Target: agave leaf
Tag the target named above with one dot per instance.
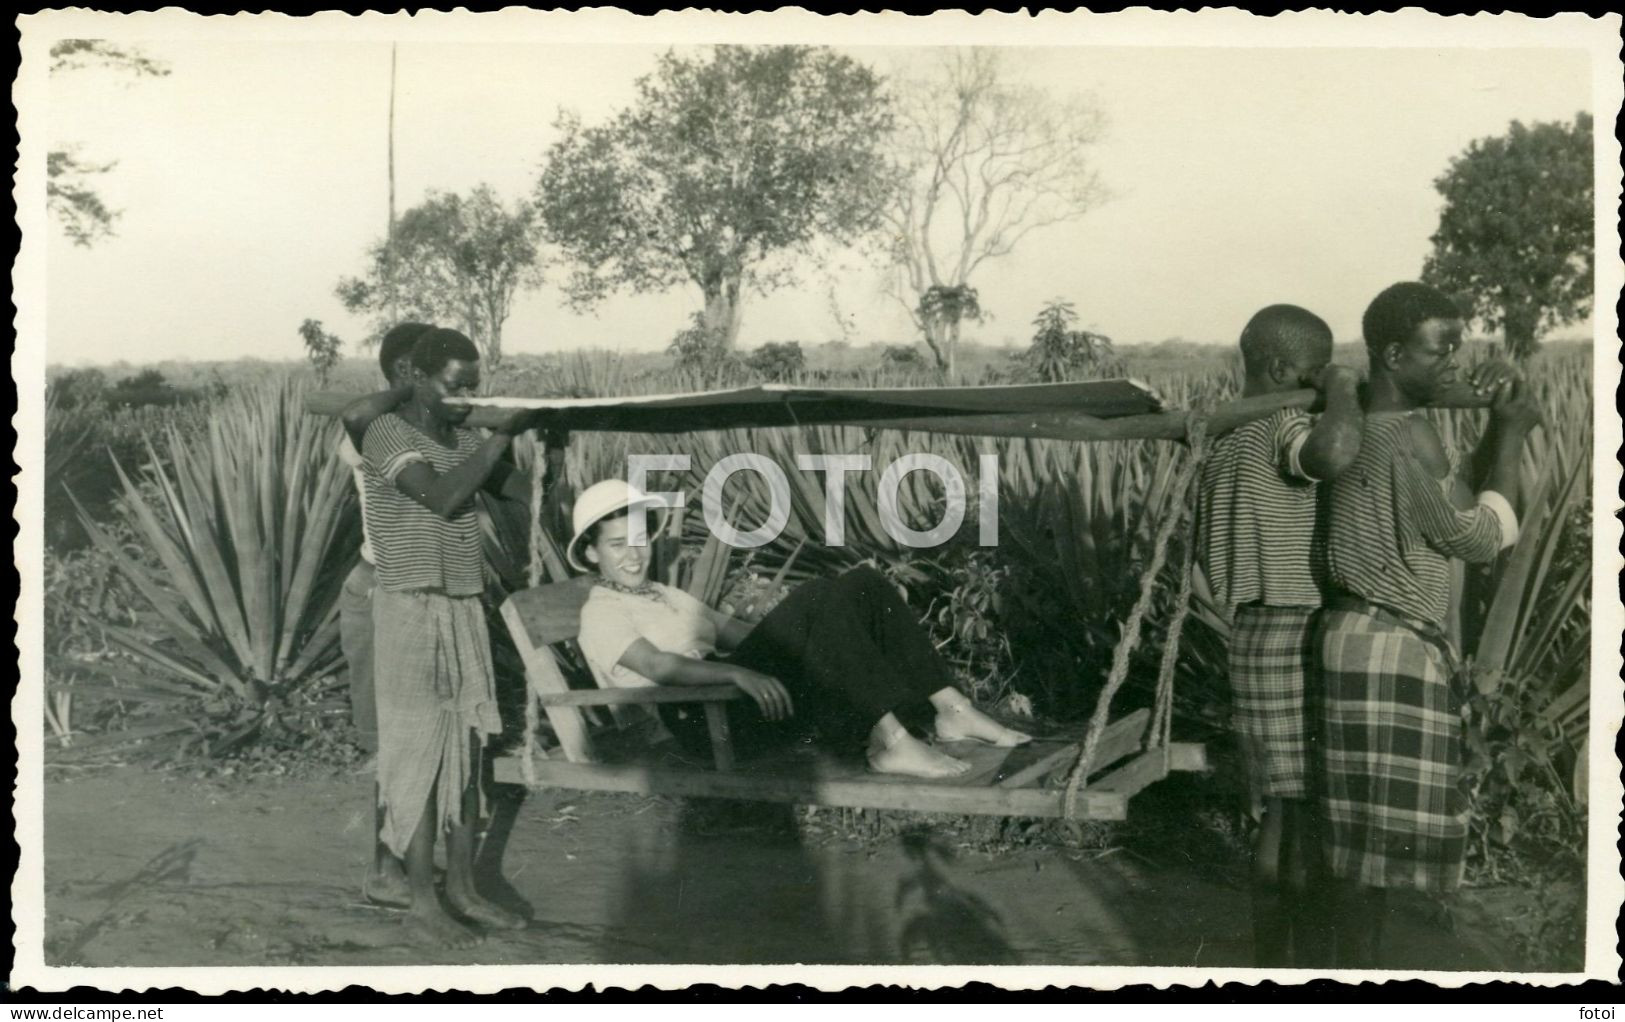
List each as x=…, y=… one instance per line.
x=159, y=539
x=206, y=549
x=147, y=729
x=182, y=630
x=314, y=539
x=1517, y=583
x=129, y=677
x=141, y=646
x=123, y=693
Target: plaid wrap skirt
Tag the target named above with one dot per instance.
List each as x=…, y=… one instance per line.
x=436, y=696
x=1272, y=655
x=1392, y=754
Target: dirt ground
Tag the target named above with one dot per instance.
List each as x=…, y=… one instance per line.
x=145, y=868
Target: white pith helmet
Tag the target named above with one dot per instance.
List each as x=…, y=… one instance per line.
x=599, y=501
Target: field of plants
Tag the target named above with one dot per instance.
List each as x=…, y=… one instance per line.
x=198, y=532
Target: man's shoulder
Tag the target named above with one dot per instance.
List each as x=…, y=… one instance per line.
x=388, y=426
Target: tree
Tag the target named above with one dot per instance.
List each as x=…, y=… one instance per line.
x=322, y=348
x=70, y=195
x=454, y=260
x=722, y=167
x=1515, y=239
x=981, y=163
x=1059, y=351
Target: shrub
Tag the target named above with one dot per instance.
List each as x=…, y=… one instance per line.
x=777, y=361
x=1060, y=352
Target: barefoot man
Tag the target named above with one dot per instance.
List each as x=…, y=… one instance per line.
x=436, y=691
x=385, y=883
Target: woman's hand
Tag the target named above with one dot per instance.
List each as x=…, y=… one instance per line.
x=770, y=694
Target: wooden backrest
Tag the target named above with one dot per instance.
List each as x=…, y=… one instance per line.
x=536, y=619
x=552, y=612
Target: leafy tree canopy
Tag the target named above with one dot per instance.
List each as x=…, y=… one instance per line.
x=1515, y=238
x=719, y=165
x=455, y=260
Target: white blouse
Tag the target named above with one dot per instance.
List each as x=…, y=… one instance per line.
x=611, y=621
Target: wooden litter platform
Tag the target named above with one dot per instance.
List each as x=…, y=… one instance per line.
x=1022, y=781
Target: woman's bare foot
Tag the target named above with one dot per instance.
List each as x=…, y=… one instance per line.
x=907, y=755
x=429, y=924
x=487, y=913
x=964, y=722
x=387, y=888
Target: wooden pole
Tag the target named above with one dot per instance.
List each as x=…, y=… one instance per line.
x=389, y=237
x=1049, y=425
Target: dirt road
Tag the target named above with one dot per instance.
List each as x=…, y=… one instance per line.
x=153, y=869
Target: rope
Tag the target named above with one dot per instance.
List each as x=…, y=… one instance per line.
x=1162, y=718
x=1162, y=715
x=538, y=468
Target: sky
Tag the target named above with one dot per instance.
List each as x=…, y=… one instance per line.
x=252, y=178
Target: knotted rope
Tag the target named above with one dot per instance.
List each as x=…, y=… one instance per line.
x=1183, y=491
x=537, y=575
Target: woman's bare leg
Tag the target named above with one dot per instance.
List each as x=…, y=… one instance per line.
x=892, y=750
x=958, y=719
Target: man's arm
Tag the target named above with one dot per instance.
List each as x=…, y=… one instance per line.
x=445, y=494
x=1334, y=441
x=359, y=414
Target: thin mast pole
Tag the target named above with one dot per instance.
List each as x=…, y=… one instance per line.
x=389, y=243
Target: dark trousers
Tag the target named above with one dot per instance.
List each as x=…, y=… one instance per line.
x=849, y=651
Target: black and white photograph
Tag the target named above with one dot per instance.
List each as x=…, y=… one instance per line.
x=529, y=498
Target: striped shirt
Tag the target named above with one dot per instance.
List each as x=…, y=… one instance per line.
x=416, y=548
x=1260, y=535
x=1393, y=527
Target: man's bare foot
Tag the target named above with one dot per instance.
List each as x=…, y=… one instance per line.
x=487, y=913
x=431, y=925
x=964, y=722
x=911, y=757
x=387, y=886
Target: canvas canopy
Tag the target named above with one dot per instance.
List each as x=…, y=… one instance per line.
x=783, y=405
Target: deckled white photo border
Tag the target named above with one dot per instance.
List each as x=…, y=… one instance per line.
x=1412, y=28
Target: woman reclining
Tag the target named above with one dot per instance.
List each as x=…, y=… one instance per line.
x=841, y=658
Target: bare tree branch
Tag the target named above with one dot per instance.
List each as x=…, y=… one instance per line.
x=987, y=162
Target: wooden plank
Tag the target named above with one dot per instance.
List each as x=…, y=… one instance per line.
x=543, y=676
x=1121, y=737
x=722, y=743
x=1132, y=777
x=643, y=696
x=1187, y=756
x=1041, y=767
x=917, y=796
x=551, y=613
